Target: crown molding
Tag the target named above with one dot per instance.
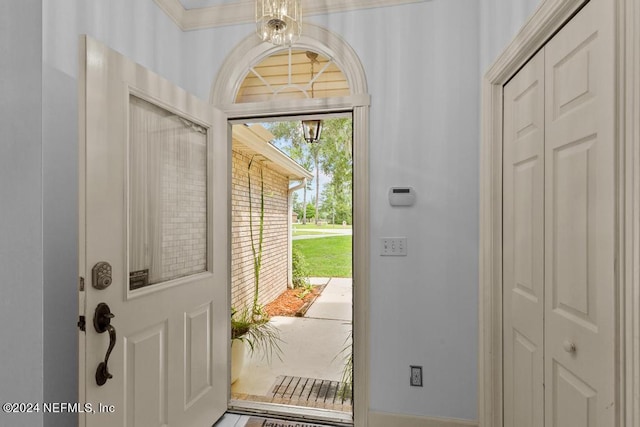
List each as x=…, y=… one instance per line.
x=173, y=9
x=242, y=11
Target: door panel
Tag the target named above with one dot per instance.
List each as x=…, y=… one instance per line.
x=524, y=382
x=145, y=359
x=156, y=165
x=197, y=352
x=574, y=401
x=574, y=295
x=579, y=221
x=523, y=291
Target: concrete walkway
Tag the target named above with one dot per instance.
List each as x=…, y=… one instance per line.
x=324, y=232
x=335, y=302
x=311, y=345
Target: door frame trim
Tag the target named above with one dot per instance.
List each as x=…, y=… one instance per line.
x=252, y=50
x=548, y=18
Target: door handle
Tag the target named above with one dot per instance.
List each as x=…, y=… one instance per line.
x=568, y=346
x=102, y=322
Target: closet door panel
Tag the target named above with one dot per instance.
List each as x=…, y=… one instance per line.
x=579, y=222
x=523, y=292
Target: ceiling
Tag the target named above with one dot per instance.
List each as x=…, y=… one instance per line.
x=195, y=4
x=199, y=14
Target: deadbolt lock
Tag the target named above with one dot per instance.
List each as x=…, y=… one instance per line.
x=101, y=275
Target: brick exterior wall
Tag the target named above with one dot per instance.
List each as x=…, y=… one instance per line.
x=275, y=265
x=184, y=204
x=168, y=203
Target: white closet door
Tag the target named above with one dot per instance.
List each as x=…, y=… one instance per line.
x=523, y=266
x=579, y=222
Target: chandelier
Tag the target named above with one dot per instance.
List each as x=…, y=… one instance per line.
x=279, y=21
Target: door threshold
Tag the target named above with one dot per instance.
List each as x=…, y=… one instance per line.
x=290, y=412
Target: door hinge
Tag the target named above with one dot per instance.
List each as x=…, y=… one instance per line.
x=81, y=284
x=82, y=323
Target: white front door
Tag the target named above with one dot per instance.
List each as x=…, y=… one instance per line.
x=153, y=248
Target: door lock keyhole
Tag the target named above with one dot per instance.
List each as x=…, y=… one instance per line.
x=101, y=275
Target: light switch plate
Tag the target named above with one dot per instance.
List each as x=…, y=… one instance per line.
x=393, y=246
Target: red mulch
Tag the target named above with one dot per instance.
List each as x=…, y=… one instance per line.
x=289, y=303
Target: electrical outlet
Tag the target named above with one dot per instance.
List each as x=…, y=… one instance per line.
x=393, y=246
x=416, y=376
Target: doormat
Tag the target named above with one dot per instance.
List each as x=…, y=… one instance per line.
x=271, y=422
x=320, y=393
x=305, y=392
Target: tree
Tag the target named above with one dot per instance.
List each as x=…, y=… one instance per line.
x=337, y=163
x=337, y=154
x=297, y=205
x=331, y=155
x=328, y=207
x=336, y=205
x=311, y=211
x=315, y=151
x=289, y=139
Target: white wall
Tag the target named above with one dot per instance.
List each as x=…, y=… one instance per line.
x=421, y=62
x=21, y=289
x=500, y=21
x=424, y=78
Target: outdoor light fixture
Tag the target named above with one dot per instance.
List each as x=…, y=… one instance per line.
x=311, y=130
x=279, y=21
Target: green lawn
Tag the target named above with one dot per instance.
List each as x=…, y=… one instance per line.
x=327, y=256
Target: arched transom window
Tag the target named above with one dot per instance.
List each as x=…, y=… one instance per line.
x=293, y=73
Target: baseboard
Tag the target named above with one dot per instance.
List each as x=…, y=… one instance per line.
x=384, y=419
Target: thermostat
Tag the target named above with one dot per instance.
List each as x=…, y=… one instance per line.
x=402, y=196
